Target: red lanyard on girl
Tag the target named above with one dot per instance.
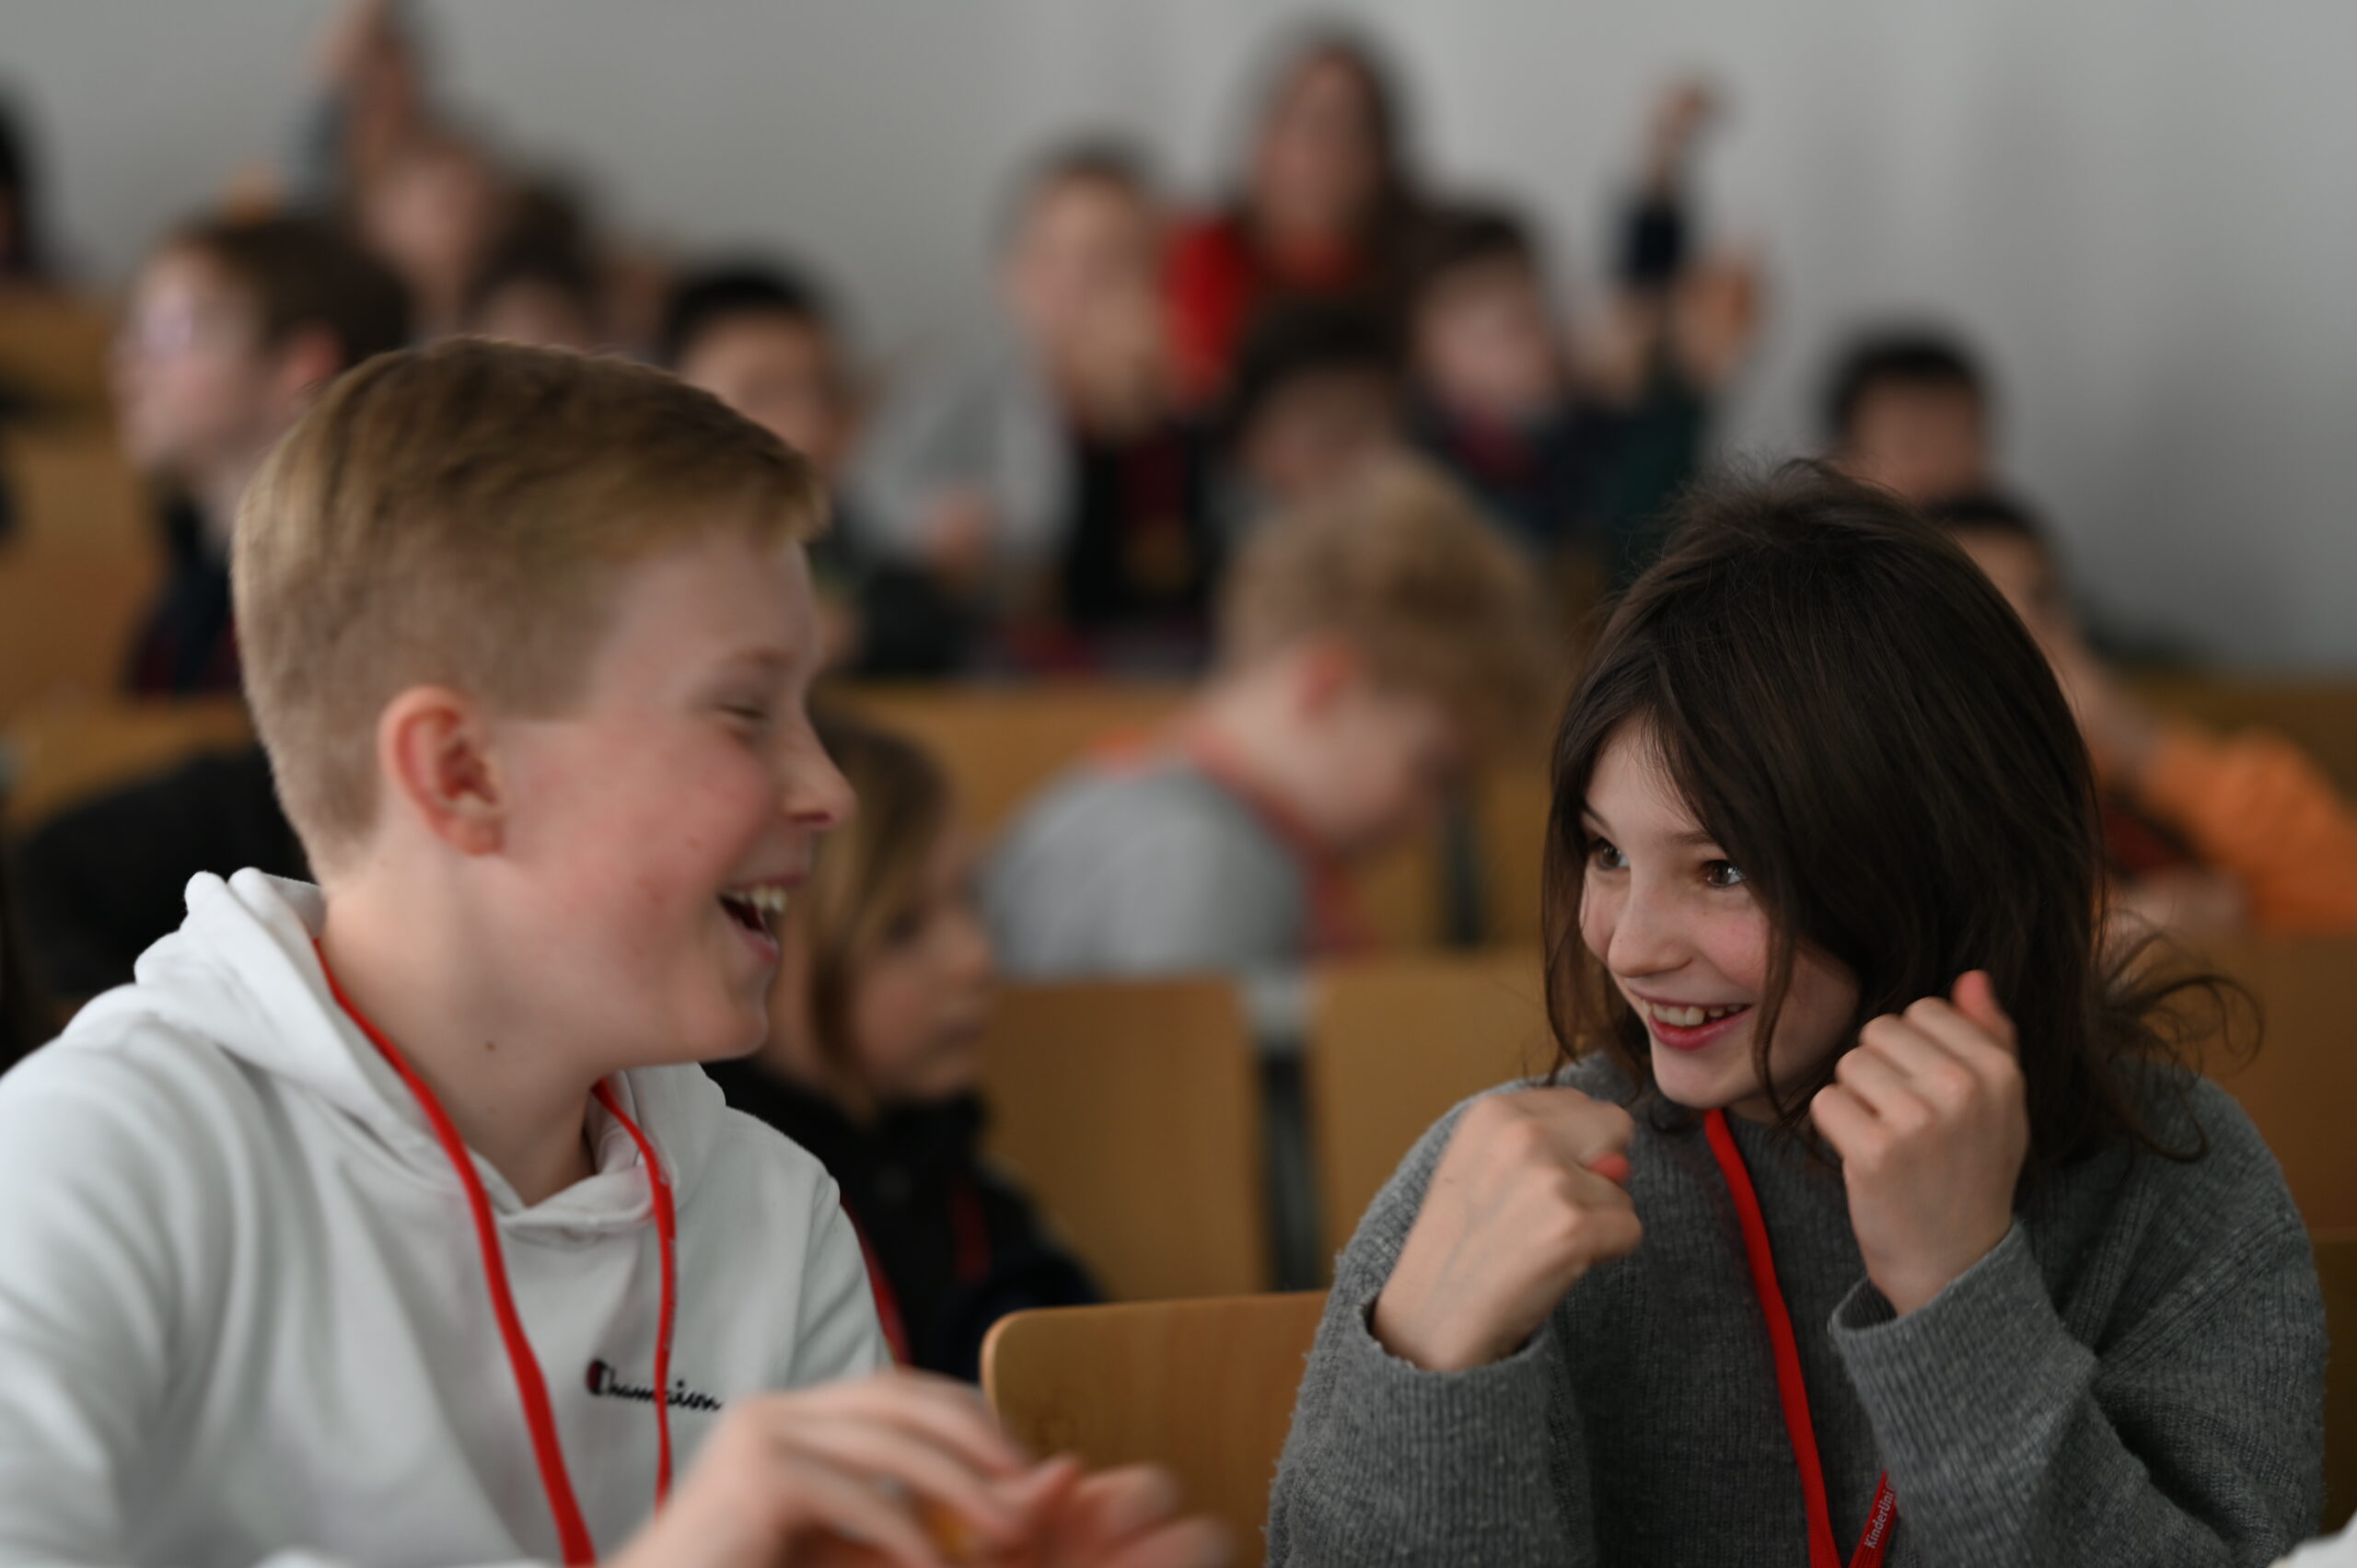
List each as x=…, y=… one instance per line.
x=1793, y=1392
x=538, y=1416
x=972, y=1237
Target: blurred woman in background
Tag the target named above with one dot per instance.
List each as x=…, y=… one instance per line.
x=1328, y=206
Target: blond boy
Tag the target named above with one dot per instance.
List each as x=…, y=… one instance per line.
x=1371, y=648
x=389, y=1220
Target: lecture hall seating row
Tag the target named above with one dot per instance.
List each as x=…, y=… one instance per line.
x=1206, y=1388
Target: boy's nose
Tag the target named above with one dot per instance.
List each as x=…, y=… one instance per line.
x=818, y=797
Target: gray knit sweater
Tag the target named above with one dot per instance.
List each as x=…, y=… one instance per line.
x=2133, y=1377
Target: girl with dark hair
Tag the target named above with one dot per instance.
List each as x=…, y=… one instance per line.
x=876, y=1020
x=1328, y=206
x=1869, y=1206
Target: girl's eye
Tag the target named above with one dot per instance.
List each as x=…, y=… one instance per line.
x=758, y=717
x=1605, y=855
x=904, y=928
x=1724, y=874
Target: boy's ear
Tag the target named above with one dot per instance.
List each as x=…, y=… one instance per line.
x=434, y=752
x=309, y=359
x=1330, y=667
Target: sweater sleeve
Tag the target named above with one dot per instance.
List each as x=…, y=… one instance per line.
x=2254, y=805
x=2192, y=1438
x=1389, y=1463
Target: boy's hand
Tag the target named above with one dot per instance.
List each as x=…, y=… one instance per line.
x=1124, y=1518
x=1929, y=1118
x=787, y=1477
x=911, y=1471
x=1526, y=1199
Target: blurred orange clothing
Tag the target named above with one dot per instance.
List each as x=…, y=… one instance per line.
x=2254, y=807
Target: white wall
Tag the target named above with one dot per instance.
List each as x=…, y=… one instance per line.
x=2145, y=209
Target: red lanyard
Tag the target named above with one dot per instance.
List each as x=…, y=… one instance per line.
x=538, y=1415
x=973, y=1265
x=1789, y=1386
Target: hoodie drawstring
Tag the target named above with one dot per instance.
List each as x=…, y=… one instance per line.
x=573, y=1534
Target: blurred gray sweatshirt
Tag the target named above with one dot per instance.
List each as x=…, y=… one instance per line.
x=1151, y=869
x=985, y=422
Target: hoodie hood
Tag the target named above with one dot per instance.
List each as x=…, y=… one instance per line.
x=244, y=973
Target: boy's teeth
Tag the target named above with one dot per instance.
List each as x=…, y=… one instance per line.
x=769, y=900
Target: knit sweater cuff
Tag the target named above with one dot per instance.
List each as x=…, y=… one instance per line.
x=1973, y=1377
x=1464, y=1446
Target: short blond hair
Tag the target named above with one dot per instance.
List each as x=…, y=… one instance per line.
x=1402, y=565
x=457, y=515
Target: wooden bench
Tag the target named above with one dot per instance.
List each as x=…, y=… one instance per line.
x=1395, y=1042
x=51, y=757
x=1131, y=1111
x=77, y=570
x=1203, y=1389
x=53, y=350
x=2300, y=1088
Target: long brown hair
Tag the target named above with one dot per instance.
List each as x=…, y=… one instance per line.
x=1393, y=213
x=1851, y=711
x=866, y=874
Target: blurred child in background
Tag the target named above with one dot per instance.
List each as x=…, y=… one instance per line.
x=876, y=1020
x=233, y=326
x=1327, y=207
x=1049, y=480
x=2205, y=834
x=484, y=248
x=1572, y=452
x=434, y=211
x=1316, y=401
x=541, y=284
x=1909, y=408
x=367, y=101
x=766, y=340
x=1371, y=649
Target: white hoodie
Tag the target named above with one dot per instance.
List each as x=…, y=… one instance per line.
x=242, y=1305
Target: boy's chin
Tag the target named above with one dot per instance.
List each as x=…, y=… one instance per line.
x=733, y=1029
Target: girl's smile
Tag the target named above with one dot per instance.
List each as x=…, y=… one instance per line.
x=1687, y=1025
